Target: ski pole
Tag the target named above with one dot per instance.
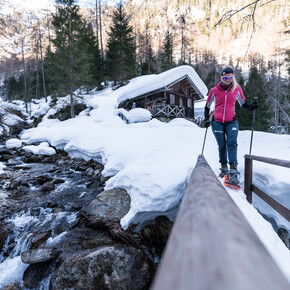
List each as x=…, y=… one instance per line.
x=204, y=141
x=253, y=126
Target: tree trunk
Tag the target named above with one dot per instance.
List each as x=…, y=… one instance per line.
x=37, y=92
x=72, y=111
x=24, y=73
x=48, y=30
x=181, y=53
x=101, y=37
x=97, y=23
x=42, y=68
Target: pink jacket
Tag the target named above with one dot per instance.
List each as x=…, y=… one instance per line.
x=225, y=102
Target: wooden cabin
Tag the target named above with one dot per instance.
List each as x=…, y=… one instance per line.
x=175, y=99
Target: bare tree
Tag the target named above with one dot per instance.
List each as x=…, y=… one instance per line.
x=97, y=22
x=101, y=34
x=42, y=66
x=248, y=18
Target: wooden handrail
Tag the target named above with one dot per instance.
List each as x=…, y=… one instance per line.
x=274, y=161
x=212, y=246
x=249, y=187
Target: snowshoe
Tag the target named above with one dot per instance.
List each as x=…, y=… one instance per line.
x=232, y=180
x=224, y=172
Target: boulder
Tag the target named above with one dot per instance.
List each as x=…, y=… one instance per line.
x=34, y=273
x=108, y=208
x=3, y=235
x=38, y=255
x=108, y=267
x=39, y=239
x=48, y=186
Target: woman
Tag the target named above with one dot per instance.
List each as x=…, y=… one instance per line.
x=224, y=122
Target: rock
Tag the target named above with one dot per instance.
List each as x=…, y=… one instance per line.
x=58, y=181
x=34, y=273
x=13, y=162
x=31, y=158
x=108, y=208
x=3, y=235
x=65, y=112
x=156, y=236
x=14, y=286
x=43, y=179
x=38, y=255
x=39, y=239
x=15, y=183
x=108, y=267
x=6, y=175
x=284, y=236
x=6, y=157
x=22, y=166
x=83, y=238
x=90, y=172
x=48, y=186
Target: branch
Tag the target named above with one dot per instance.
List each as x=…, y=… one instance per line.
x=229, y=14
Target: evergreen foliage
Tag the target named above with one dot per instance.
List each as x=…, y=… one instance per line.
x=255, y=87
x=75, y=60
x=167, y=52
x=120, y=59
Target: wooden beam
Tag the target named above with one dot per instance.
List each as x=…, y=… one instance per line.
x=248, y=179
x=279, y=162
x=276, y=205
x=212, y=246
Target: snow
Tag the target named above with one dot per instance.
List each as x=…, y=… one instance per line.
x=13, y=143
x=143, y=84
x=136, y=115
x=43, y=149
x=153, y=160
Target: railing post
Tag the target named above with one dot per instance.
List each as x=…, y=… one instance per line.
x=248, y=178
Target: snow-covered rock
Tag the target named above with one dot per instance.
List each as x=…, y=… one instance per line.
x=13, y=143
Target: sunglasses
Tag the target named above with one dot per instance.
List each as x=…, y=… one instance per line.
x=227, y=78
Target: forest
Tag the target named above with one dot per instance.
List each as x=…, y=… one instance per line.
x=73, y=49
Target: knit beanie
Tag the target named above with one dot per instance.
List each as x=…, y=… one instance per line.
x=227, y=70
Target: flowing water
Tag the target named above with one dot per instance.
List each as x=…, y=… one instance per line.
x=24, y=224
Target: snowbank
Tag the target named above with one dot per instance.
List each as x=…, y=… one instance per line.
x=153, y=161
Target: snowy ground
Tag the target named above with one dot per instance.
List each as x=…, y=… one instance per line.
x=153, y=160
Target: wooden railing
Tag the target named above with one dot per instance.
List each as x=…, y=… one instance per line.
x=250, y=187
x=212, y=246
x=167, y=111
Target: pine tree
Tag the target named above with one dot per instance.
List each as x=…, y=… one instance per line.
x=89, y=41
x=120, y=59
x=167, y=52
x=71, y=61
x=255, y=87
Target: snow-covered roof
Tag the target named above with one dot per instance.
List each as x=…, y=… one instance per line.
x=150, y=83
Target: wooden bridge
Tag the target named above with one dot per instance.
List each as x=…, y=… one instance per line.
x=212, y=246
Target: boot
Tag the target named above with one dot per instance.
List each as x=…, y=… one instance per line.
x=233, y=179
x=224, y=171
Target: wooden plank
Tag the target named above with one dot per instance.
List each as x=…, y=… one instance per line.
x=280, y=208
x=212, y=246
x=248, y=179
x=279, y=162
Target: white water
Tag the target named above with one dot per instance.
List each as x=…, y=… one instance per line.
x=24, y=224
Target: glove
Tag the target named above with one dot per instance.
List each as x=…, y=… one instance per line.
x=206, y=123
x=254, y=106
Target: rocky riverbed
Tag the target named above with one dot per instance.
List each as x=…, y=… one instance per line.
x=59, y=228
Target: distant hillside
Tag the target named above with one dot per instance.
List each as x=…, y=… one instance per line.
x=228, y=42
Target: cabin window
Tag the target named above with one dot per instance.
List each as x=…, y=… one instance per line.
x=189, y=103
x=172, y=99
